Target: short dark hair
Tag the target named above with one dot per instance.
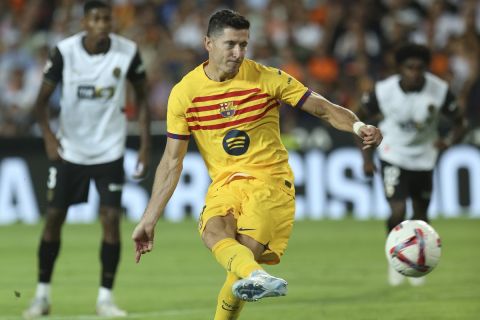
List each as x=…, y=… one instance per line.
x=226, y=19
x=94, y=4
x=412, y=50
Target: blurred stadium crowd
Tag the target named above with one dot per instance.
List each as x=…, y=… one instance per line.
x=336, y=47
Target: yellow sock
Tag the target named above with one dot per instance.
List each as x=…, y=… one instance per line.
x=228, y=306
x=235, y=257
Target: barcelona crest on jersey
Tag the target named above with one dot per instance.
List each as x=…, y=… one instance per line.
x=227, y=109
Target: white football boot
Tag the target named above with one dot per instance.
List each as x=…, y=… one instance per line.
x=108, y=308
x=258, y=285
x=38, y=307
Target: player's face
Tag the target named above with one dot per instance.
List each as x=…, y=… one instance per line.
x=98, y=24
x=226, y=51
x=413, y=73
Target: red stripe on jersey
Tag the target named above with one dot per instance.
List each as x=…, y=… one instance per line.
x=239, y=102
x=236, y=122
x=240, y=111
x=225, y=95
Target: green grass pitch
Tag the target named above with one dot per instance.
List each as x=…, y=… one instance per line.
x=335, y=269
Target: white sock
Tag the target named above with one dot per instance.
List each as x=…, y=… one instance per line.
x=43, y=290
x=104, y=294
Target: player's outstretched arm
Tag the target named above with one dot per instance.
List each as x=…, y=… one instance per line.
x=166, y=179
x=342, y=119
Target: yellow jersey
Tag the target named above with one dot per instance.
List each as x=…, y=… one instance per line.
x=235, y=123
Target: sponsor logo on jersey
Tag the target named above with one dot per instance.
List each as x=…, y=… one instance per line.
x=236, y=142
x=227, y=109
x=90, y=92
x=411, y=125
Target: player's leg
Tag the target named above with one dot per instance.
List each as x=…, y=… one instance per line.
x=398, y=210
x=396, y=191
x=239, y=257
x=395, y=183
x=420, y=206
x=266, y=222
x=218, y=229
x=228, y=305
x=214, y=228
x=232, y=255
x=220, y=235
x=236, y=253
x=109, y=180
x=421, y=192
x=48, y=251
x=66, y=185
x=110, y=247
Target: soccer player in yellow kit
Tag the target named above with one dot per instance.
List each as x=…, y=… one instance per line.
x=230, y=105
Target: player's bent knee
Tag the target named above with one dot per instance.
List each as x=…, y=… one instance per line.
x=211, y=236
x=219, y=228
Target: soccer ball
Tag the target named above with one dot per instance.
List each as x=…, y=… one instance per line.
x=413, y=248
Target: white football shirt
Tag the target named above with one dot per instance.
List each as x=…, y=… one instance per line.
x=410, y=120
x=93, y=96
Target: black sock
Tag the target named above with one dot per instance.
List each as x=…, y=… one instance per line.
x=47, y=254
x=110, y=257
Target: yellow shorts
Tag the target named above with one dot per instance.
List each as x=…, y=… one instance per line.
x=263, y=211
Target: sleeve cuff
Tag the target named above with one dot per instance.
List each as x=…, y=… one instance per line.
x=178, y=136
x=303, y=98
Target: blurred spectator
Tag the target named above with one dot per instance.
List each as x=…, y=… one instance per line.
x=187, y=28
x=322, y=66
x=290, y=64
x=18, y=95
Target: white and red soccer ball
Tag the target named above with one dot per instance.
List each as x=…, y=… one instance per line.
x=413, y=248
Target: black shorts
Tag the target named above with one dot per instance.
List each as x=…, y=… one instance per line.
x=68, y=183
x=400, y=184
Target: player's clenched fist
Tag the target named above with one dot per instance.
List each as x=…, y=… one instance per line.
x=370, y=135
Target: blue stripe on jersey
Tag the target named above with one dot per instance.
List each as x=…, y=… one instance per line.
x=178, y=136
x=303, y=98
